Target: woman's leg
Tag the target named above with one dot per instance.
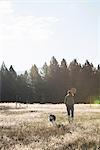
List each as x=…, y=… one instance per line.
x=68, y=112
x=72, y=111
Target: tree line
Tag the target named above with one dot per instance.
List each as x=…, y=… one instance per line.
x=49, y=85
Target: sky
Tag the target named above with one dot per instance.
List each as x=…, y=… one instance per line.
x=32, y=31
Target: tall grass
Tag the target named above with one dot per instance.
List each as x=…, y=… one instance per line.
x=29, y=129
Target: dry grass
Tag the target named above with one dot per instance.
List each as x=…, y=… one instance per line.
x=28, y=128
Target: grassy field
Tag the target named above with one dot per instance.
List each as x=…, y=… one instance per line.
x=27, y=127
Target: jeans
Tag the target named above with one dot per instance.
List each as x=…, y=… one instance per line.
x=70, y=110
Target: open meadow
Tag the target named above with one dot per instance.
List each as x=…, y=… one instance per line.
x=26, y=127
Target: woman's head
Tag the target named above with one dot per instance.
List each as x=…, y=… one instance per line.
x=69, y=92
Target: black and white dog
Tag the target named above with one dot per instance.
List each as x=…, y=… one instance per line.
x=52, y=119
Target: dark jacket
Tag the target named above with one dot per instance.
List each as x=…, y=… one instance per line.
x=69, y=100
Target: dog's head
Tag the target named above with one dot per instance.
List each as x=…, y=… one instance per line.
x=52, y=118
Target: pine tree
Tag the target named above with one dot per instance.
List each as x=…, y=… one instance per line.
x=36, y=83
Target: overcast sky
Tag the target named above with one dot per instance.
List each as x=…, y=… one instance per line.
x=32, y=31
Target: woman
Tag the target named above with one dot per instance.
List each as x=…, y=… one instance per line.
x=69, y=102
